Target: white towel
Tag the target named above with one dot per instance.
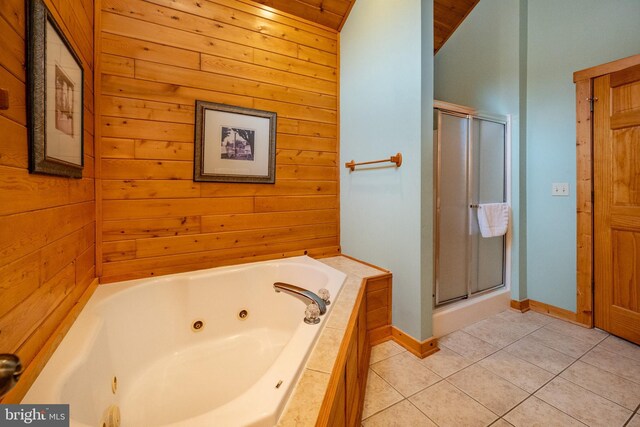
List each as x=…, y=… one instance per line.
x=493, y=219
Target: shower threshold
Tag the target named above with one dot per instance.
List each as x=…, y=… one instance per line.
x=460, y=314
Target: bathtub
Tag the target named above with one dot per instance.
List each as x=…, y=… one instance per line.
x=215, y=347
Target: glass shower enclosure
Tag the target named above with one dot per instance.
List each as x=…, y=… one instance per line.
x=470, y=170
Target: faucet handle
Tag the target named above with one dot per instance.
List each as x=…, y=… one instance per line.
x=10, y=371
x=312, y=314
x=324, y=294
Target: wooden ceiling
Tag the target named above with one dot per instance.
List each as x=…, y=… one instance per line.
x=330, y=13
x=447, y=14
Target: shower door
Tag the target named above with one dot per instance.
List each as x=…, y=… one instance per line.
x=470, y=170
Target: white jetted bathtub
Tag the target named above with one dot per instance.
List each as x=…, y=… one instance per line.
x=176, y=350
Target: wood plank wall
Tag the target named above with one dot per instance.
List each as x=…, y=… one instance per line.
x=159, y=56
x=47, y=224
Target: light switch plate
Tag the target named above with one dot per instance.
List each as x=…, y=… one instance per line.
x=560, y=189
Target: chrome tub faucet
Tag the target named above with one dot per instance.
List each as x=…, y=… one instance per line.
x=10, y=371
x=310, y=316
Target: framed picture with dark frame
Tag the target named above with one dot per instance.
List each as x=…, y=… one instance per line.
x=55, y=97
x=234, y=144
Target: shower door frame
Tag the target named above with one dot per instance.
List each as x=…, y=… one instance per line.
x=470, y=115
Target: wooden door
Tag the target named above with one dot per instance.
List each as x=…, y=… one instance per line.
x=616, y=136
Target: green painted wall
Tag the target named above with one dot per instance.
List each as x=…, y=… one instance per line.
x=577, y=35
x=479, y=66
x=522, y=55
x=385, y=87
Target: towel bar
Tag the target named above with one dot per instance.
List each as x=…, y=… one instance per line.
x=397, y=159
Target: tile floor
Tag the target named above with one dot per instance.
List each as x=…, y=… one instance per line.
x=513, y=369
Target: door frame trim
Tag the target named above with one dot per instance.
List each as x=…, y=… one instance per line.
x=583, y=80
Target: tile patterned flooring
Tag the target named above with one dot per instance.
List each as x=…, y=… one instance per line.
x=512, y=369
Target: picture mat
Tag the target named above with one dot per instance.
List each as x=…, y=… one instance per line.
x=59, y=145
x=214, y=164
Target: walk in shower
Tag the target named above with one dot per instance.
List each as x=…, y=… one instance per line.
x=471, y=170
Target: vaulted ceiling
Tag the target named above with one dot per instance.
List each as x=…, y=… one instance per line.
x=447, y=14
x=330, y=13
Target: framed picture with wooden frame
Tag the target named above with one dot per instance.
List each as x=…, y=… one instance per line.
x=234, y=144
x=55, y=97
